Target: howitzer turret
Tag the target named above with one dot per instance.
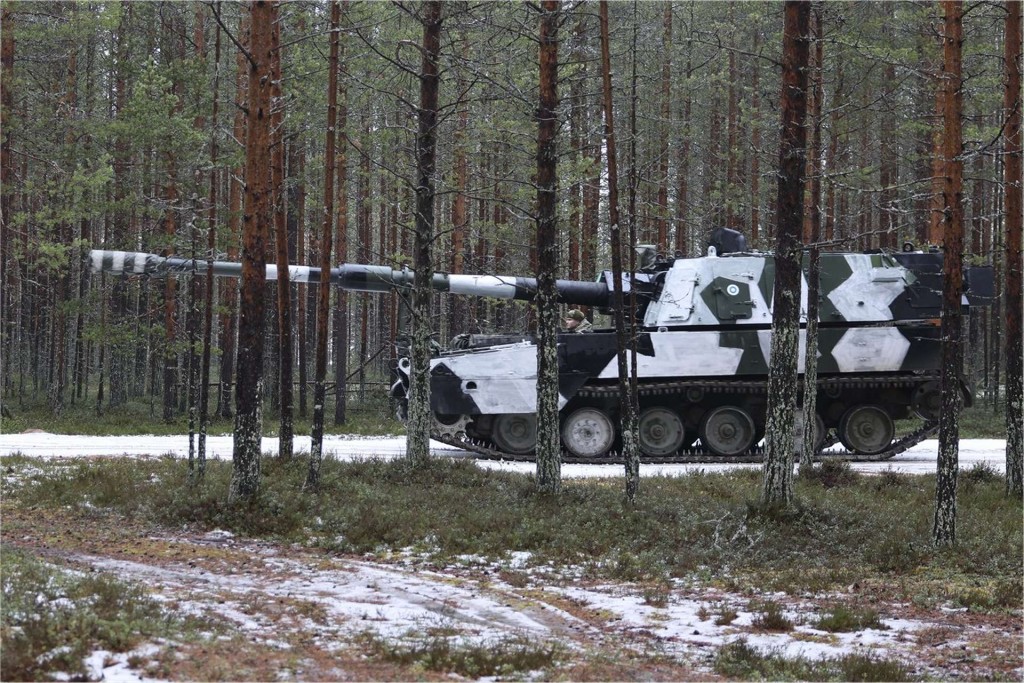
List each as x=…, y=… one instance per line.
x=702, y=328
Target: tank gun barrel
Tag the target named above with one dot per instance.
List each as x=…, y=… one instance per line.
x=355, y=277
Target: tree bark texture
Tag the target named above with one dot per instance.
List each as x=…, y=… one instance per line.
x=944, y=525
x=666, y=113
x=549, y=464
x=340, y=327
x=229, y=318
x=323, y=305
x=211, y=247
x=285, y=350
x=420, y=418
x=256, y=224
x=777, y=487
x=630, y=447
x=812, y=236
x=1014, y=335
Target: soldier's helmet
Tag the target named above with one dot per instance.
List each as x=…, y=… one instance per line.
x=575, y=314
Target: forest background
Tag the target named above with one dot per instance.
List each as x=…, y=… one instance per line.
x=123, y=128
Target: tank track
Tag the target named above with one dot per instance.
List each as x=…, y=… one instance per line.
x=486, y=450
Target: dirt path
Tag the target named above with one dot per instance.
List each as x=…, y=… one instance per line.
x=279, y=611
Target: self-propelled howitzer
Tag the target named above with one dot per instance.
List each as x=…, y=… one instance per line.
x=702, y=328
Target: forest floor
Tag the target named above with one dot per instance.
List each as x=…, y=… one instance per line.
x=287, y=612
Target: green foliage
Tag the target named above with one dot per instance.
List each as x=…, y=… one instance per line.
x=739, y=660
x=440, y=652
x=830, y=474
x=842, y=618
x=771, y=617
x=142, y=416
x=51, y=618
x=679, y=527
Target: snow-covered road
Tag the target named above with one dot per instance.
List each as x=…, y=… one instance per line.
x=917, y=460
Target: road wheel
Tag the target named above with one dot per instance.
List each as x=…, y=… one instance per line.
x=926, y=401
x=866, y=429
x=588, y=433
x=515, y=433
x=727, y=430
x=661, y=432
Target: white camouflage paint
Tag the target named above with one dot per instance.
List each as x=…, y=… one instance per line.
x=866, y=295
x=495, y=286
x=871, y=349
x=504, y=378
x=295, y=273
x=683, y=354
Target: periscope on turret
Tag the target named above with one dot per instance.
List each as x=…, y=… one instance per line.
x=702, y=328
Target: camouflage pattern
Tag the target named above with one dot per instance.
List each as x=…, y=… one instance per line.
x=703, y=330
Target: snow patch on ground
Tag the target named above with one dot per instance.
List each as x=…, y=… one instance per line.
x=921, y=459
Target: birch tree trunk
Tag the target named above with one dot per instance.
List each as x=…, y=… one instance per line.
x=777, y=486
x=549, y=463
x=944, y=525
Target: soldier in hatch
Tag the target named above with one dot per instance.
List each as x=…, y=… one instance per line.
x=576, y=322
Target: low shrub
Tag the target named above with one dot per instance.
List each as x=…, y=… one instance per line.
x=739, y=660
x=51, y=618
x=439, y=652
x=843, y=619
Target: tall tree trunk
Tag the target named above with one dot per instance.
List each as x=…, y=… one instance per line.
x=937, y=218
x=420, y=418
x=755, y=148
x=682, y=242
x=944, y=527
x=170, y=200
x=364, y=222
x=630, y=447
x=576, y=144
x=323, y=308
x=777, y=488
x=732, y=131
x=812, y=236
x=9, y=294
x=286, y=348
x=229, y=317
x=68, y=106
x=665, y=126
x=297, y=226
x=211, y=247
x=549, y=463
x=257, y=221
x=460, y=215
x=1013, y=208
x=341, y=320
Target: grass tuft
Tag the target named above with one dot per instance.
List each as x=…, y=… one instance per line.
x=843, y=619
x=679, y=526
x=51, y=618
x=739, y=660
x=830, y=474
x=770, y=617
x=438, y=652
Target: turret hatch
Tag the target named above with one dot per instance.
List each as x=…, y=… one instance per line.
x=674, y=305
